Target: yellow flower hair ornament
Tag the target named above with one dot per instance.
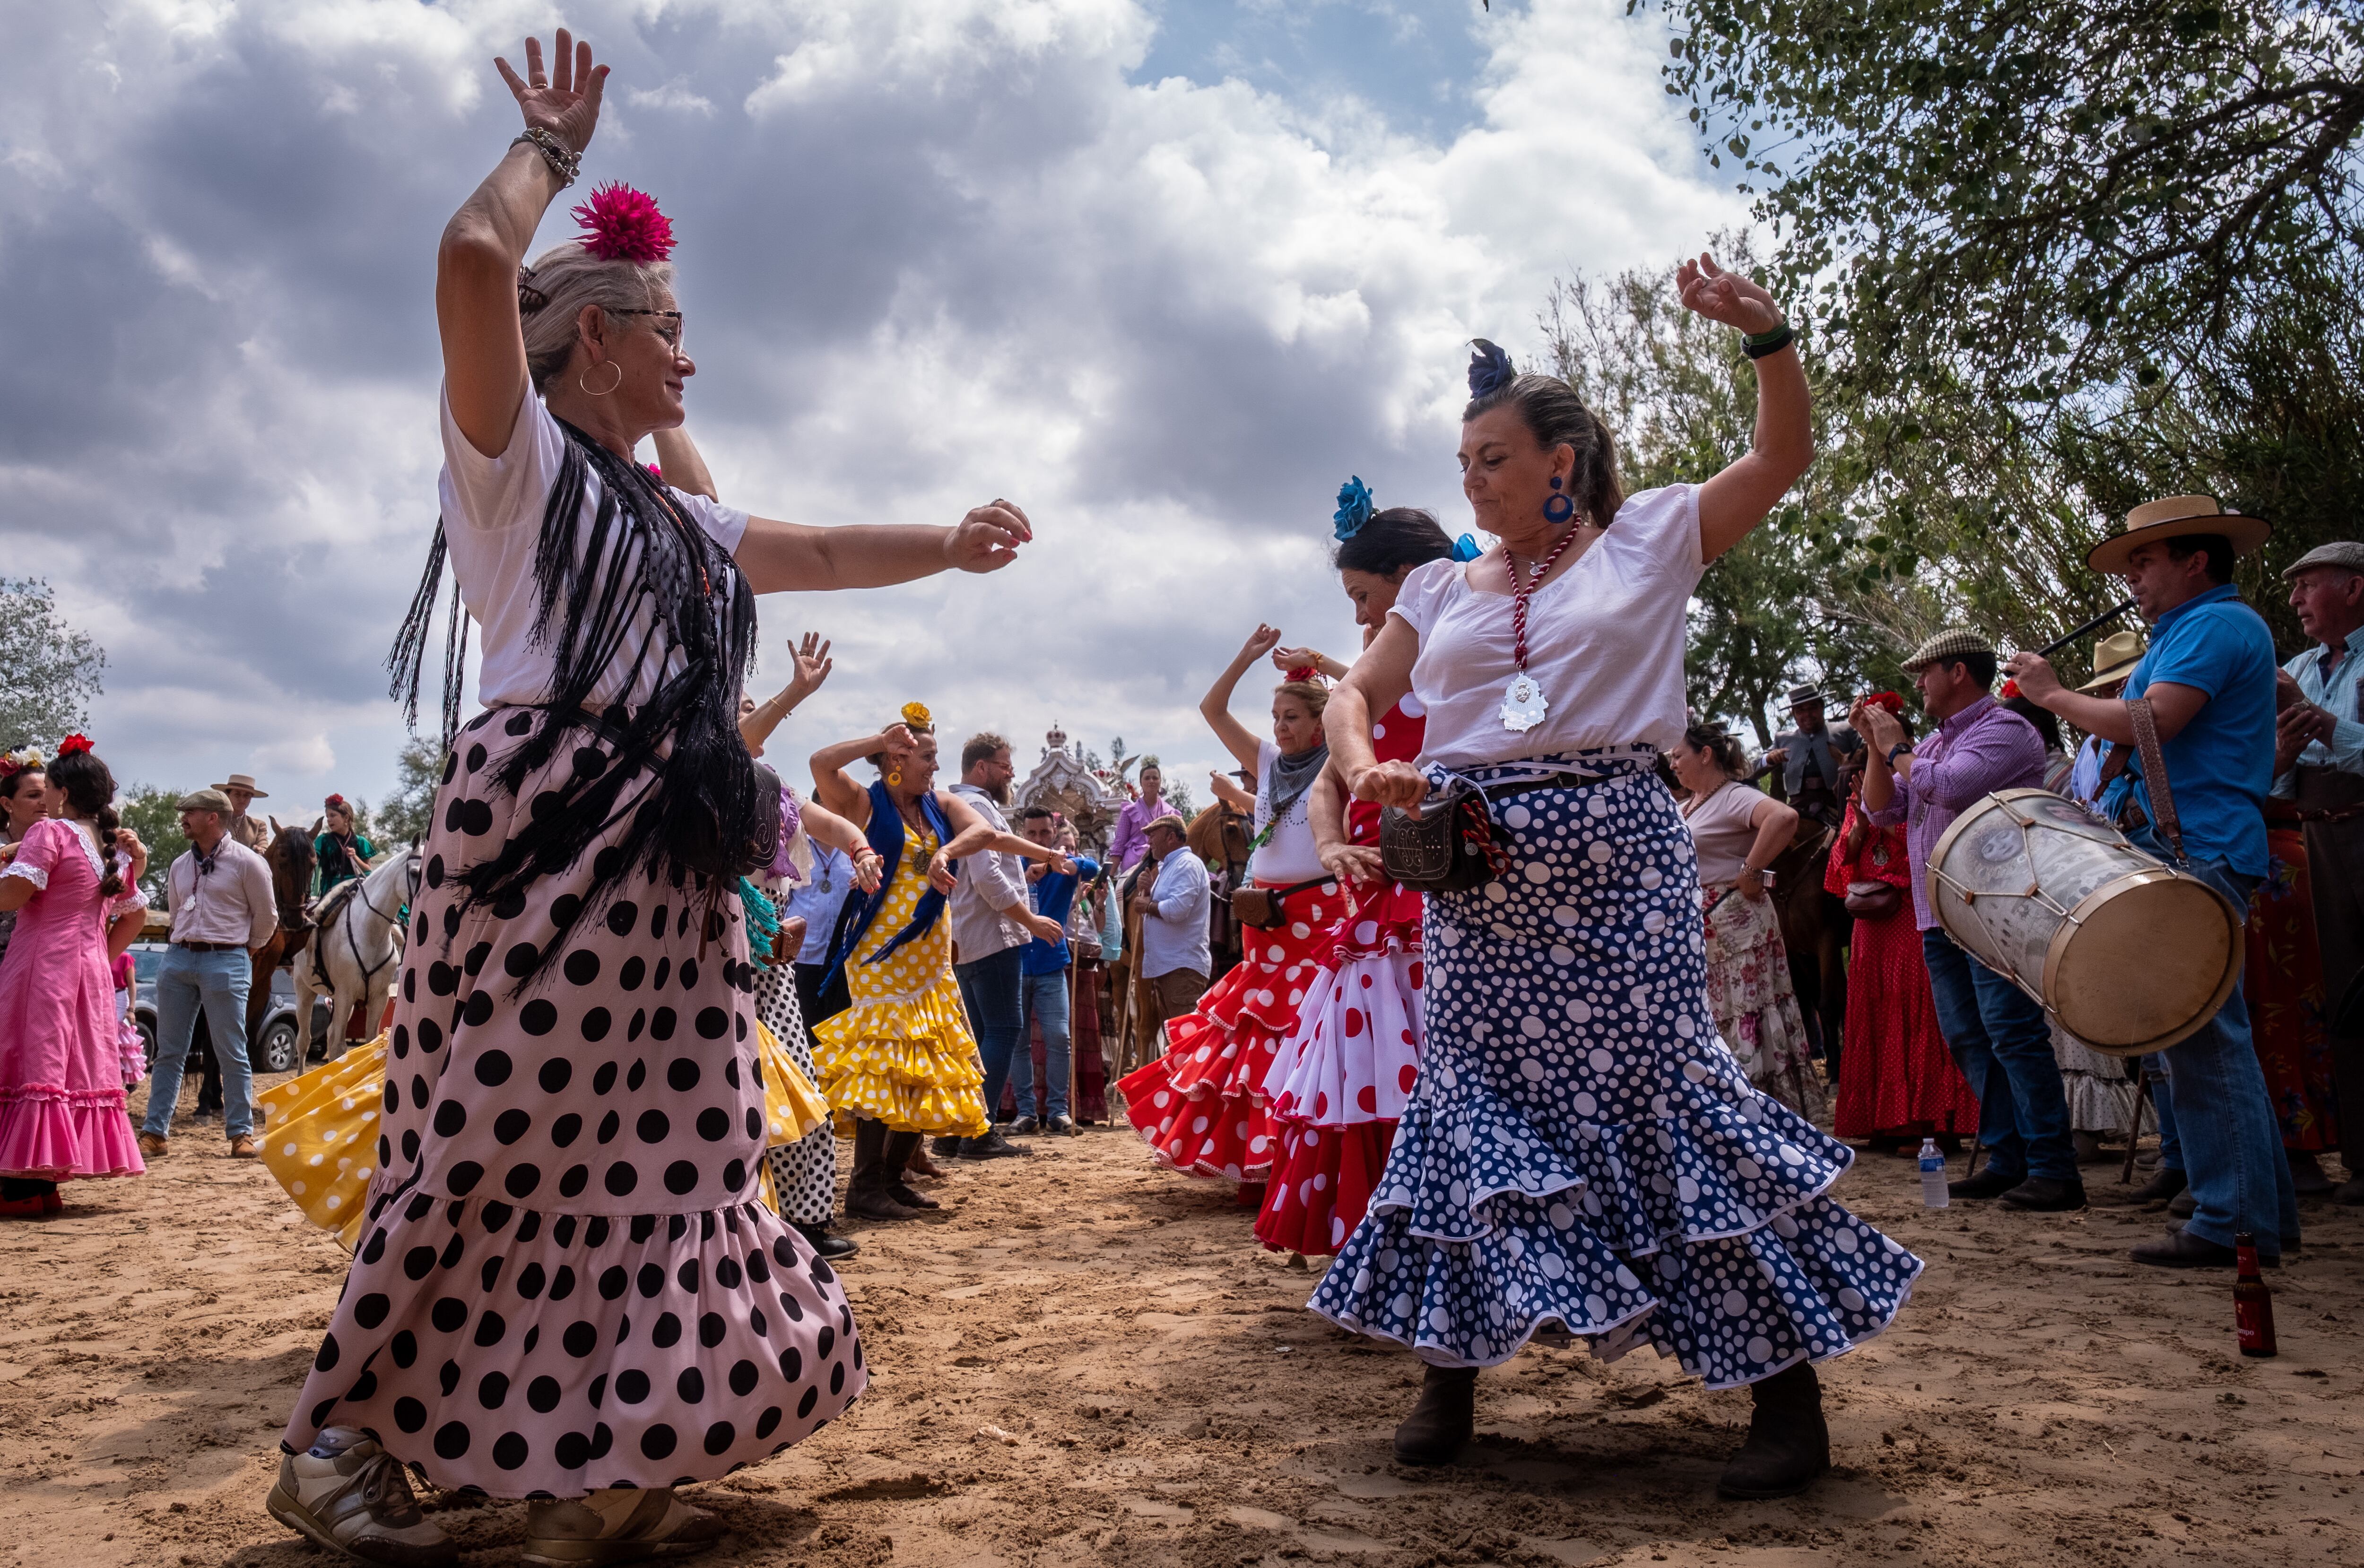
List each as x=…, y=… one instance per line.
x=916, y=717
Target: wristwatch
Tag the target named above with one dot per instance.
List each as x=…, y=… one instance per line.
x=1898, y=750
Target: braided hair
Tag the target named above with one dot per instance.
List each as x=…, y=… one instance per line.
x=90, y=792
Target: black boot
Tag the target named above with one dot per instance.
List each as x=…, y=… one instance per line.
x=900, y=1146
x=1443, y=1420
x=2166, y=1183
x=1787, y=1443
x=826, y=1244
x=866, y=1196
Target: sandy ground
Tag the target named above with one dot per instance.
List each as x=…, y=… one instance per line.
x=1083, y=1360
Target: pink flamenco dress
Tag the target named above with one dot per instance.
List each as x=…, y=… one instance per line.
x=61, y=1061
x=1338, y=1085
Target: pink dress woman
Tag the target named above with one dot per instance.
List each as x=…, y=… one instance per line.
x=60, y=1061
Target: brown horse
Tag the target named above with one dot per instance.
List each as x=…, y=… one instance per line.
x=1814, y=930
x=290, y=858
x=1219, y=836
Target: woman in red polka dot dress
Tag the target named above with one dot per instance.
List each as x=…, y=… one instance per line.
x=1200, y=1106
x=1339, y=1083
x=565, y=1290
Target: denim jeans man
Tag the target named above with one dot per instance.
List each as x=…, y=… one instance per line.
x=218, y=982
x=220, y=896
x=991, y=925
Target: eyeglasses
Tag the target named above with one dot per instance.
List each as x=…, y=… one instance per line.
x=668, y=325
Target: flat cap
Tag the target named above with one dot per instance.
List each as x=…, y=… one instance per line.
x=205, y=800
x=1168, y=821
x=2344, y=552
x=1953, y=642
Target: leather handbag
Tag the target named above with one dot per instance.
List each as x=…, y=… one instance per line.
x=1873, y=900
x=1447, y=845
x=1260, y=906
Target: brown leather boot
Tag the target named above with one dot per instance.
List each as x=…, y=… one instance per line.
x=1443, y=1420
x=900, y=1146
x=866, y=1196
x=1788, y=1446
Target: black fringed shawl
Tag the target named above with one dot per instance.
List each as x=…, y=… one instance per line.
x=697, y=810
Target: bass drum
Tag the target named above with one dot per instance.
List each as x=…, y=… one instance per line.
x=2123, y=952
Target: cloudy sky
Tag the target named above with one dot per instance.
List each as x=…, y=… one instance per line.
x=1166, y=272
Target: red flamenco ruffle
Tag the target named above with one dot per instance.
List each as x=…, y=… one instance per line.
x=1320, y=1186
x=1201, y=1107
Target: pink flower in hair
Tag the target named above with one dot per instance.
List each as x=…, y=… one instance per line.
x=620, y=224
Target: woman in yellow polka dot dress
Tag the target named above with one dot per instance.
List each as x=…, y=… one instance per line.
x=900, y=1062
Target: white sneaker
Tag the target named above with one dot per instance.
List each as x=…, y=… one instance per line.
x=617, y=1525
x=357, y=1501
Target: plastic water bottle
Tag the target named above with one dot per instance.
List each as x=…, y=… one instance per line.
x=1933, y=1175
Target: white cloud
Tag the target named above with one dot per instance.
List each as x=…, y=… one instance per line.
x=934, y=251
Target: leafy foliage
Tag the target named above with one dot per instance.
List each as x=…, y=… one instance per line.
x=154, y=815
x=49, y=670
x=405, y=815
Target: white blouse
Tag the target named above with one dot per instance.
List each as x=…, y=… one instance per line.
x=1289, y=857
x=1604, y=641
x=492, y=523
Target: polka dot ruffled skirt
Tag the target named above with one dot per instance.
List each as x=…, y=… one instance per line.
x=1582, y=1149
x=564, y=1282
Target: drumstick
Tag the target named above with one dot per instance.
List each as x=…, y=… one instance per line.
x=2112, y=613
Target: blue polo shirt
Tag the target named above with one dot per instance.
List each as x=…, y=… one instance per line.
x=2223, y=763
x=1053, y=895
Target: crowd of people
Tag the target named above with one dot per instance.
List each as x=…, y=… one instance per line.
x=1512, y=1036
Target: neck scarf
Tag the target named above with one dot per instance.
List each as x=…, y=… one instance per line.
x=885, y=836
x=1285, y=783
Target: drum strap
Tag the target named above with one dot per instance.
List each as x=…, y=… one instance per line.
x=2154, y=775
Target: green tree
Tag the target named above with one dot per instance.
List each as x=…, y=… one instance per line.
x=154, y=814
x=406, y=815
x=49, y=670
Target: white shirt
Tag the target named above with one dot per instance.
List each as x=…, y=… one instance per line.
x=1289, y=857
x=1604, y=641
x=988, y=883
x=232, y=904
x=492, y=522
x=1174, y=932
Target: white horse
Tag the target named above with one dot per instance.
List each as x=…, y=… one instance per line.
x=357, y=946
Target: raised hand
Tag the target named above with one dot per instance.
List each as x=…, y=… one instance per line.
x=813, y=665
x=564, y=101
x=1261, y=642
x=1708, y=290
x=987, y=538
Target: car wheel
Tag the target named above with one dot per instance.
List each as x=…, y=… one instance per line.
x=275, y=1050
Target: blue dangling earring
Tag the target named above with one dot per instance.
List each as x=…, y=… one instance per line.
x=1559, y=508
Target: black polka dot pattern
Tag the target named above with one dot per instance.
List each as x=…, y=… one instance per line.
x=1581, y=1148
x=804, y=1174
x=565, y=1213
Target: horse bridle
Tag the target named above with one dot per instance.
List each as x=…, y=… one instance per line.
x=410, y=870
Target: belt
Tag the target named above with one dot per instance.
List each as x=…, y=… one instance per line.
x=211, y=947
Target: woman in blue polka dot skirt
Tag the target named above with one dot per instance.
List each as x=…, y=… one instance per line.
x=1582, y=1150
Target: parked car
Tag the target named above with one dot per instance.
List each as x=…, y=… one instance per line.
x=272, y=1050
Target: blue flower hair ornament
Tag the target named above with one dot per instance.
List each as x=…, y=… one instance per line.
x=1355, y=509
x=1467, y=549
x=1490, y=369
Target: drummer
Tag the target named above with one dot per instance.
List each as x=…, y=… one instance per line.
x=2209, y=678
x=1998, y=1036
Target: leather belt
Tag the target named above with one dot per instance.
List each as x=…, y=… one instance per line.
x=212, y=947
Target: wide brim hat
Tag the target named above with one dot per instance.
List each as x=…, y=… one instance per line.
x=1802, y=697
x=2115, y=658
x=1953, y=642
x=2176, y=516
x=245, y=781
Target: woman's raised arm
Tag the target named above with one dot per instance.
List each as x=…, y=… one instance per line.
x=777, y=557
x=1735, y=500
x=1215, y=707
x=835, y=788
x=486, y=242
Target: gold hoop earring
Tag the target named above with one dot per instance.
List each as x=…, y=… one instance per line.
x=894, y=780
x=584, y=376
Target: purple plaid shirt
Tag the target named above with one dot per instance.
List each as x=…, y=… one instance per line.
x=1984, y=748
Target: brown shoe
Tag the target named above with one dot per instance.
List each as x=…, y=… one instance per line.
x=241, y=1147
x=153, y=1147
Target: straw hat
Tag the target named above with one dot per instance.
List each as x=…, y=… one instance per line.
x=2115, y=658
x=246, y=783
x=2177, y=517
x=1802, y=697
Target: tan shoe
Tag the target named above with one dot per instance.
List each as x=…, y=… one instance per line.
x=241, y=1147
x=357, y=1502
x=616, y=1526
x=153, y=1147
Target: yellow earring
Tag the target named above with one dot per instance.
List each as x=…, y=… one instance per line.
x=894, y=779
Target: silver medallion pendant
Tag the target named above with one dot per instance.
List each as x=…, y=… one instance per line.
x=1522, y=703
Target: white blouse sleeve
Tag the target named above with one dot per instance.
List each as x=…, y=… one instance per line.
x=1663, y=524
x=1423, y=594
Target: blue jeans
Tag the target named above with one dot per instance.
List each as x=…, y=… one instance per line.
x=2000, y=1040
x=217, y=982
x=1044, y=998
x=2162, y=1101
x=2224, y=1118
x=996, y=1016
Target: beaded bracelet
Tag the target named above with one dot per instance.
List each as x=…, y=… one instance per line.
x=564, y=161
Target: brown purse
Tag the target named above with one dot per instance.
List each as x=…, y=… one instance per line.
x=1873, y=900
x=1260, y=906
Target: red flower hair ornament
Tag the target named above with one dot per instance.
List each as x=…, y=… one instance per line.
x=1305, y=673
x=2009, y=690
x=620, y=224
x=73, y=743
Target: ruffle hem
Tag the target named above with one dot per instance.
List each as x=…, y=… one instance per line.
x=908, y=1061
x=53, y=1134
